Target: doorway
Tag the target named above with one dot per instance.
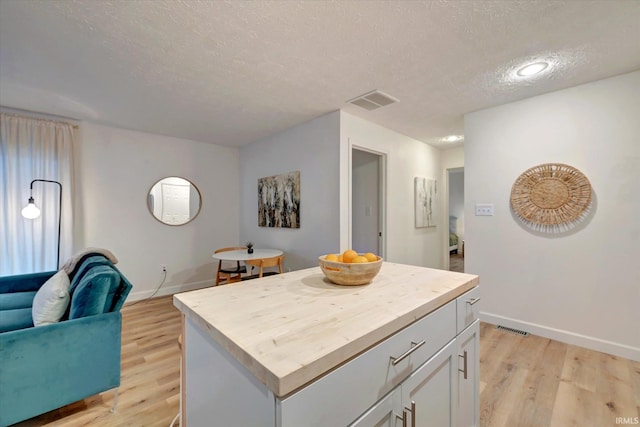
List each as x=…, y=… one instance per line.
x=456, y=219
x=367, y=201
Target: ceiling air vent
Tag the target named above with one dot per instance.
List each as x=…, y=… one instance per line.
x=373, y=100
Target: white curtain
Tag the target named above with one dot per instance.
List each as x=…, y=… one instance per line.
x=35, y=149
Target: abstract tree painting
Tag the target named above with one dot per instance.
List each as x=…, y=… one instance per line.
x=426, y=191
x=279, y=201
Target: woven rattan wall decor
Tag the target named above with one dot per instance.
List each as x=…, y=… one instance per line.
x=552, y=197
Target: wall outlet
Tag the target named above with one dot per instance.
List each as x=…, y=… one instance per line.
x=484, y=209
x=163, y=267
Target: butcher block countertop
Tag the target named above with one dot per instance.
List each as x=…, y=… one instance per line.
x=291, y=328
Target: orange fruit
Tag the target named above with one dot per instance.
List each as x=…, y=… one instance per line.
x=359, y=259
x=340, y=258
x=349, y=255
x=331, y=257
x=370, y=257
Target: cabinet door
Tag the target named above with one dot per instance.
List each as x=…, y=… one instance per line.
x=429, y=394
x=469, y=376
x=386, y=413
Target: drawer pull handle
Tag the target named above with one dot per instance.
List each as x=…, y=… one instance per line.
x=415, y=346
x=464, y=364
x=411, y=409
x=473, y=300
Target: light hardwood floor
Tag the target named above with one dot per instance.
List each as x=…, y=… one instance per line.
x=534, y=381
x=524, y=381
x=456, y=263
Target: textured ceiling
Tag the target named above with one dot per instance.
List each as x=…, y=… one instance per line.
x=231, y=72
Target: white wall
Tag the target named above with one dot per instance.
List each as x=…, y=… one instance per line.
x=406, y=159
x=452, y=158
x=582, y=287
x=313, y=149
x=117, y=168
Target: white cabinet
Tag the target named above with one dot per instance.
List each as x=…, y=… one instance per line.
x=468, y=342
x=428, y=395
x=444, y=391
x=410, y=379
x=369, y=377
x=424, y=399
x=468, y=407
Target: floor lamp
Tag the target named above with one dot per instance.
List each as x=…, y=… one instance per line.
x=31, y=211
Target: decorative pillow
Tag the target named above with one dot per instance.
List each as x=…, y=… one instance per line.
x=51, y=300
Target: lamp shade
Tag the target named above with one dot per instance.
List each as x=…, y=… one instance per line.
x=31, y=211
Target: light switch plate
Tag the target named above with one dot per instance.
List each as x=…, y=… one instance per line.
x=484, y=209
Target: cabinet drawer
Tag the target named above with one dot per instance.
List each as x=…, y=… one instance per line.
x=341, y=396
x=468, y=307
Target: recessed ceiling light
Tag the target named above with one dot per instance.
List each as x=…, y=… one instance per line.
x=531, y=69
x=453, y=138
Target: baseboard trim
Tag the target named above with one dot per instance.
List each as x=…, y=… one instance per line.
x=567, y=337
x=169, y=290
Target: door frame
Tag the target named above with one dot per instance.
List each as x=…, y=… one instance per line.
x=382, y=196
x=445, y=216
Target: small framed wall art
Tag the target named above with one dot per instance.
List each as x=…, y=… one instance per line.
x=426, y=192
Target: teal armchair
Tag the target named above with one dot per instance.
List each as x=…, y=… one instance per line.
x=45, y=367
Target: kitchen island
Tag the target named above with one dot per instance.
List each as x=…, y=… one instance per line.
x=295, y=350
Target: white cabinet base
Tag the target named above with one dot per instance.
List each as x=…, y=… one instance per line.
x=219, y=390
x=369, y=390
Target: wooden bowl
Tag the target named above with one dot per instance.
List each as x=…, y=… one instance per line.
x=342, y=273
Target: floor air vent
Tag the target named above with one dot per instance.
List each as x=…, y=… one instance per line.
x=513, y=331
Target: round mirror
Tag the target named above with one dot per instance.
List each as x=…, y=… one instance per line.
x=174, y=201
